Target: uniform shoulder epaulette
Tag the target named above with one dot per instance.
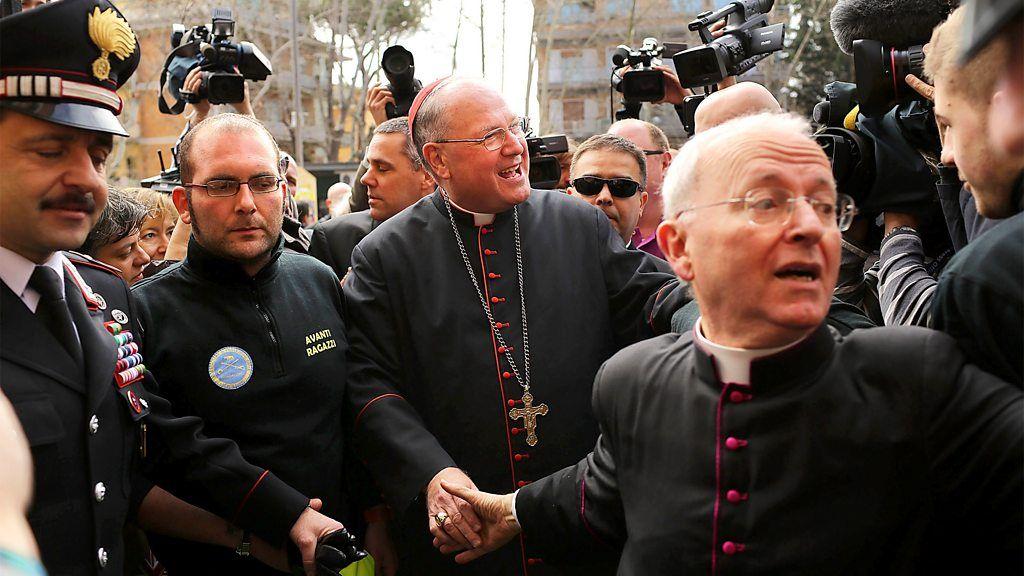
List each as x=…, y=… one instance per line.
x=77, y=258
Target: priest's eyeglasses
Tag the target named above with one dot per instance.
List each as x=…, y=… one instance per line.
x=775, y=206
x=226, y=188
x=495, y=139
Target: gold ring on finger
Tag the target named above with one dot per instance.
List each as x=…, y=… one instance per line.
x=441, y=517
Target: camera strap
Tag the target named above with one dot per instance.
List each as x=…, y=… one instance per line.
x=179, y=106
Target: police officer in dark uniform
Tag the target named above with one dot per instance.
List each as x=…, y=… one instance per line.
x=69, y=360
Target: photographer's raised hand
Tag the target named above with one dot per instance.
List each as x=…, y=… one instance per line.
x=377, y=99
x=921, y=87
x=499, y=525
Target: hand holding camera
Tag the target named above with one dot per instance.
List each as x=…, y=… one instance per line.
x=378, y=99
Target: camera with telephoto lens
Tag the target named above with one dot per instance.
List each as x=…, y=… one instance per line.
x=225, y=65
x=400, y=70
x=746, y=40
x=545, y=171
x=881, y=71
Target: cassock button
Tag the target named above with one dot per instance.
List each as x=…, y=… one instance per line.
x=734, y=443
x=532, y=561
x=522, y=483
x=506, y=375
x=100, y=491
x=730, y=548
x=521, y=457
x=512, y=404
x=489, y=252
x=493, y=275
x=101, y=556
x=495, y=299
x=737, y=397
x=514, y=430
x=735, y=496
x=94, y=424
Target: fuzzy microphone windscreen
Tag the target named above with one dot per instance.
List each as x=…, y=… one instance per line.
x=896, y=23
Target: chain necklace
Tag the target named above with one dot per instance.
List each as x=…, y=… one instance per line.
x=529, y=412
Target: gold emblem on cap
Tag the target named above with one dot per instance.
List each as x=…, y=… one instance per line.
x=112, y=35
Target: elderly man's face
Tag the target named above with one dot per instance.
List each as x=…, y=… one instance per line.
x=758, y=285
x=623, y=213
x=478, y=179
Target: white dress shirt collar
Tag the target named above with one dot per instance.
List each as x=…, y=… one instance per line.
x=15, y=271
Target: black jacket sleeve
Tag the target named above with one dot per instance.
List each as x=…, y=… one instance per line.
x=642, y=296
x=578, y=511
x=388, y=434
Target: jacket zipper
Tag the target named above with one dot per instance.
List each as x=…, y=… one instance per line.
x=275, y=342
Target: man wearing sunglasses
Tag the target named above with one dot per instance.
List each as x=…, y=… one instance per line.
x=760, y=441
x=609, y=172
x=245, y=333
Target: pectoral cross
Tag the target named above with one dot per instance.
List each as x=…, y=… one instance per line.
x=529, y=414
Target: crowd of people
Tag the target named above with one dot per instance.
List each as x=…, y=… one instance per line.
x=697, y=360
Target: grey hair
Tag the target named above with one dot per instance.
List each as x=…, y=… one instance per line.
x=227, y=122
x=613, y=143
x=432, y=122
x=122, y=216
x=401, y=126
x=698, y=154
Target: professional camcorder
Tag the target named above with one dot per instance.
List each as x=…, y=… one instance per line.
x=226, y=65
x=642, y=82
x=545, y=171
x=851, y=152
x=746, y=40
x=400, y=69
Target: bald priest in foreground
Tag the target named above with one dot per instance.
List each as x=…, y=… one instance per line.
x=761, y=442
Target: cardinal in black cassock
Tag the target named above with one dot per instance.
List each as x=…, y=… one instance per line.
x=443, y=348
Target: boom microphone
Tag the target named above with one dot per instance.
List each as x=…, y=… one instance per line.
x=892, y=22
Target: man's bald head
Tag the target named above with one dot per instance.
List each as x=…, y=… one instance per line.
x=724, y=147
x=742, y=99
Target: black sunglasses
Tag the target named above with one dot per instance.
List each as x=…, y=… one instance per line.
x=592, y=186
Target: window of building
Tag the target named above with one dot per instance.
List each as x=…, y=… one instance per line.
x=572, y=110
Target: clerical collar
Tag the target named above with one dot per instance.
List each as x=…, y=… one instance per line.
x=478, y=218
x=733, y=364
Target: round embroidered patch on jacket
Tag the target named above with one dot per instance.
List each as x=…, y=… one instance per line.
x=230, y=367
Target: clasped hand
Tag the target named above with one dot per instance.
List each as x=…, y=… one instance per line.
x=488, y=517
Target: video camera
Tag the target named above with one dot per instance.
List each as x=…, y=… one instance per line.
x=642, y=83
x=226, y=65
x=545, y=171
x=746, y=40
x=852, y=153
x=400, y=69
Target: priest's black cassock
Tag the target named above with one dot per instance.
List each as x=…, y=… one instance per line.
x=881, y=452
x=429, y=387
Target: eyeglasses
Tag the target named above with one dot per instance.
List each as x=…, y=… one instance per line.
x=225, y=188
x=495, y=139
x=592, y=186
x=775, y=206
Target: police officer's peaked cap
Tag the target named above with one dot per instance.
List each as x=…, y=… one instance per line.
x=64, y=61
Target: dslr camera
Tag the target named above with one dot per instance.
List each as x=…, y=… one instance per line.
x=746, y=40
x=225, y=65
x=400, y=69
